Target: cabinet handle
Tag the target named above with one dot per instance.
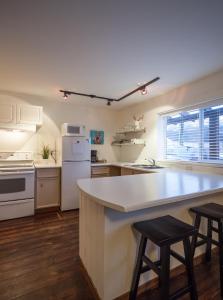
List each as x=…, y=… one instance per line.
x=41, y=185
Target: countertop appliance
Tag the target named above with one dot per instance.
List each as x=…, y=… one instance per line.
x=94, y=156
x=17, y=176
x=75, y=165
x=73, y=130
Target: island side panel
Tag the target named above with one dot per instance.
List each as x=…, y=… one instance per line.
x=91, y=237
x=121, y=242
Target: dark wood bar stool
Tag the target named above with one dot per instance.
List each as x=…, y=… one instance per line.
x=212, y=212
x=164, y=232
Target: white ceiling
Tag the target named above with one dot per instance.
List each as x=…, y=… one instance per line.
x=107, y=47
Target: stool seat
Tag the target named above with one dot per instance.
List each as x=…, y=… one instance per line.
x=209, y=210
x=164, y=230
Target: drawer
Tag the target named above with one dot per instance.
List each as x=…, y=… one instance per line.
x=126, y=171
x=140, y=172
x=48, y=172
x=100, y=170
x=99, y=175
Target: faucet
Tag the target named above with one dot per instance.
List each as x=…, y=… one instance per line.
x=151, y=161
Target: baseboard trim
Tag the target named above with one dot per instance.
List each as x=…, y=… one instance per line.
x=47, y=209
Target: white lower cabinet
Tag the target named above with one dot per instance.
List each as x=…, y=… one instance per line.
x=47, y=188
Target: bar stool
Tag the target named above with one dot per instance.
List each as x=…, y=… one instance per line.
x=164, y=232
x=212, y=212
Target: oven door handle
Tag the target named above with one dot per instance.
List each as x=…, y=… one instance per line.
x=16, y=173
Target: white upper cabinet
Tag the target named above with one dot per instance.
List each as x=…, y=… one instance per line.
x=7, y=113
x=29, y=114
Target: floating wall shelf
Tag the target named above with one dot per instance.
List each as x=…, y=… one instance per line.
x=128, y=144
x=141, y=130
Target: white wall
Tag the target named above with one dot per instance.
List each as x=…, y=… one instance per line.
x=207, y=88
x=56, y=113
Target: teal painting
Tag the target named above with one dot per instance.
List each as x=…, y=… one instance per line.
x=97, y=137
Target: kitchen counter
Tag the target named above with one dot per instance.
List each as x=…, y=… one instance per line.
x=46, y=165
x=120, y=165
x=131, y=193
x=108, y=208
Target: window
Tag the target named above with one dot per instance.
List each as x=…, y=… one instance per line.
x=194, y=135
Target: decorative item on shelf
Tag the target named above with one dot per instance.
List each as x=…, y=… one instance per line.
x=45, y=152
x=128, y=142
x=130, y=134
x=138, y=122
x=97, y=137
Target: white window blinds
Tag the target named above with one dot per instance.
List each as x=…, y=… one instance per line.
x=194, y=135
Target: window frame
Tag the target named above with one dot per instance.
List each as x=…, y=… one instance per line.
x=163, y=129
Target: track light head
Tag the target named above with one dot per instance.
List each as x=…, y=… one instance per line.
x=144, y=91
x=109, y=103
x=65, y=96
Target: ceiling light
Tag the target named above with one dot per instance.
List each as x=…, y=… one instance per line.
x=144, y=91
x=65, y=96
x=142, y=88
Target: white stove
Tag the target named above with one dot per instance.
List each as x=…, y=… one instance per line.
x=17, y=175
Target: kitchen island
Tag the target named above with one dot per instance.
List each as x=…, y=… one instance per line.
x=109, y=206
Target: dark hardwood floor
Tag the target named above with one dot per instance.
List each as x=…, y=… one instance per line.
x=39, y=261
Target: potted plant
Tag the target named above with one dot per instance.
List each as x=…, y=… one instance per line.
x=45, y=152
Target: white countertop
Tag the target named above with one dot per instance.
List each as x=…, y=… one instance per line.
x=131, y=193
x=127, y=165
x=46, y=165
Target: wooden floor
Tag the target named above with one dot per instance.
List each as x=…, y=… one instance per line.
x=39, y=261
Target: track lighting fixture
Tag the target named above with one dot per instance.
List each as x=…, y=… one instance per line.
x=141, y=88
x=144, y=91
x=65, y=95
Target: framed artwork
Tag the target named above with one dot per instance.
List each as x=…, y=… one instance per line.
x=97, y=137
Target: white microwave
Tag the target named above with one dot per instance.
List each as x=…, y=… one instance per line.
x=73, y=130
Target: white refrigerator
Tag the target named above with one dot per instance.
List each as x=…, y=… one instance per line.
x=75, y=165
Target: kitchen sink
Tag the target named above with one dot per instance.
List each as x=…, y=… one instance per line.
x=148, y=167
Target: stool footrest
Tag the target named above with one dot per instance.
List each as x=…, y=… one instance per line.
x=178, y=256
x=150, y=265
x=204, y=240
x=200, y=243
x=214, y=229
x=180, y=292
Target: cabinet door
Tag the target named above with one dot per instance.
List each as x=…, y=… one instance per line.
x=29, y=114
x=126, y=171
x=115, y=171
x=100, y=171
x=7, y=113
x=140, y=172
x=48, y=192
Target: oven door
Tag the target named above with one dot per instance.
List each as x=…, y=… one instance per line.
x=16, y=186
